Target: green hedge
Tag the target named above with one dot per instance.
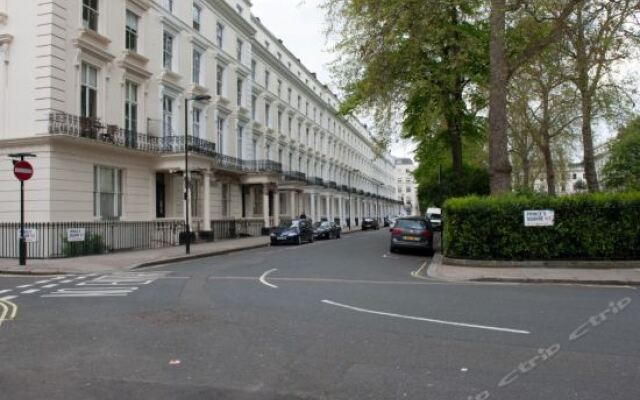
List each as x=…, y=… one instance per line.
x=587, y=226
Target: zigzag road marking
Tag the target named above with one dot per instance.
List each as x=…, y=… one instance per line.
x=8, y=309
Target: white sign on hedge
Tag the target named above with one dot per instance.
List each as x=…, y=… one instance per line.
x=539, y=218
x=75, y=234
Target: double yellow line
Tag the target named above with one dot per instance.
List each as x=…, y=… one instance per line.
x=8, y=311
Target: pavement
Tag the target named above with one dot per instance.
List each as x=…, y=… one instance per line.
x=333, y=320
x=125, y=261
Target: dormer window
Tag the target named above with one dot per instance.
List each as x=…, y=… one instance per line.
x=90, y=14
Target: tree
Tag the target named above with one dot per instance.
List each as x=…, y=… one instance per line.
x=504, y=62
x=438, y=187
x=600, y=34
x=622, y=170
x=420, y=59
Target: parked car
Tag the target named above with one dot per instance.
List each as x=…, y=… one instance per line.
x=294, y=232
x=370, y=223
x=326, y=230
x=434, y=215
x=392, y=220
x=387, y=221
x=412, y=233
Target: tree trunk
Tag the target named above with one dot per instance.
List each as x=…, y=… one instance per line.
x=499, y=165
x=526, y=171
x=454, y=102
x=586, y=100
x=549, y=167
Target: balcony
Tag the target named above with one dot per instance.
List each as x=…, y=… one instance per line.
x=344, y=188
x=315, y=181
x=294, y=176
x=332, y=185
x=361, y=192
x=93, y=129
x=175, y=144
x=235, y=164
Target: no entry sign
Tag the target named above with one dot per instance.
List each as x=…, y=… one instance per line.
x=23, y=170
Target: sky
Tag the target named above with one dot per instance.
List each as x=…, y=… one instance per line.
x=300, y=24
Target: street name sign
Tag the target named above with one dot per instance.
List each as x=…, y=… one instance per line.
x=76, y=234
x=539, y=218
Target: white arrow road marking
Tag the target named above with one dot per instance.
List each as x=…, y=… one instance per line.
x=435, y=321
x=263, y=279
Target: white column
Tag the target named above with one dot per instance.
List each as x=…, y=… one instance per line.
x=265, y=205
x=341, y=210
x=314, y=217
x=328, y=204
x=294, y=211
x=207, y=201
x=276, y=208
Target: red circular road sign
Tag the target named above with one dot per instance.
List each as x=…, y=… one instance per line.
x=23, y=170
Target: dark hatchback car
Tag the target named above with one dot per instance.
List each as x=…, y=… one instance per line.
x=326, y=230
x=370, y=223
x=294, y=232
x=412, y=233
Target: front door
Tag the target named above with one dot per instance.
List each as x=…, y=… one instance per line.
x=160, y=196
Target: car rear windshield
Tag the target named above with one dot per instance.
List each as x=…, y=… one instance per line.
x=411, y=224
x=434, y=216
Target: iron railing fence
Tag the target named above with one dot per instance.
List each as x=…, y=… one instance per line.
x=50, y=239
x=237, y=228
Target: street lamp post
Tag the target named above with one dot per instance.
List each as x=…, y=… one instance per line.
x=187, y=183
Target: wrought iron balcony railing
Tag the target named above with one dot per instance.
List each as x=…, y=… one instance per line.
x=294, y=176
x=175, y=144
x=332, y=185
x=345, y=188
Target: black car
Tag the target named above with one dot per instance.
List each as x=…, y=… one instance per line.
x=294, y=232
x=326, y=230
x=412, y=233
x=387, y=222
x=370, y=223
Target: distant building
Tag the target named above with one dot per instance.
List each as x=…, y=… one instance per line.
x=573, y=179
x=406, y=187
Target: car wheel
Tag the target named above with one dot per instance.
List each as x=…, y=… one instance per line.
x=338, y=235
x=392, y=249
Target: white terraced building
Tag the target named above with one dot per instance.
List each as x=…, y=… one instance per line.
x=96, y=89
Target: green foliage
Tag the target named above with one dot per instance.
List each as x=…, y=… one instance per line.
x=587, y=226
x=435, y=189
x=93, y=244
x=622, y=171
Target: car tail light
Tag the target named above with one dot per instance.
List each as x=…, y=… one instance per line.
x=426, y=234
x=396, y=231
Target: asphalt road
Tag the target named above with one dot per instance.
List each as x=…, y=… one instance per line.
x=339, y=319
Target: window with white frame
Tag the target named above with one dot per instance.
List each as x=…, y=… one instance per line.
x=267, y=151
x=167, y=50
x=131, y=107
x=239, y=89
x=168, y=4
x=107, y=192
x=220, y=133
x=239, y=47
x=197, y=63
x=197, y=13
x=131, y=31
x=196, y=119
x=279, y=121
x=267, y=75
x=219, y=80
x=239, y=141
x=219, y=34
x=90, y=14
x=167, y=116
x=289, y=91
x=254, y=68
x=89, y=91
x=279, y=88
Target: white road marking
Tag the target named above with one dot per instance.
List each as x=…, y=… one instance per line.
x=67, y=281
x=23, y=286
x=43, y=281
x=5, y=291
x=111, y=291
x=8, y=309
x=57, y=278
x=7, y=298
x=30, y=291
x=52, y=285
x=263, y=279
x=435, y=321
